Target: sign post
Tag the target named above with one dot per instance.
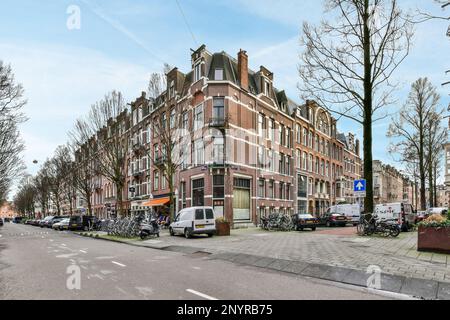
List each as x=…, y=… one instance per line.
x=359, y=190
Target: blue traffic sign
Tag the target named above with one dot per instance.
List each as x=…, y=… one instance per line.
x=359, y=185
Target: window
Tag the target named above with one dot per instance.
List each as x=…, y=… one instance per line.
x=197, y=72
x=298, y=131
x=266, y=88
x=155, y=152
x=281, y=191
x=198, y=117
x=299, y=158
x=218, y=150
x=270, y=189
x=172, y=119
x=305, y=137
x=271, y=130
x=219, y=109
x=304, y=161
x=172, y=89
x=199, y=152
x=156, y=180
x=261, y=188
x=261, y=152
x=302, y=206
x=198, y=192
x=163, y=182
x=183, y=194
x=199, y=214
x=218, y=74
x=302, y=186
x=209, y=214
x=288, y=191
x=185, y=119
x=219, y=186
x=260, y=125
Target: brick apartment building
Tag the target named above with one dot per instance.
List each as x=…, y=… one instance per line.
x=246, y=148
x=390, y=185
x=7, y=210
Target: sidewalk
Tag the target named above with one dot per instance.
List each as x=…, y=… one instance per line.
x=332, y=254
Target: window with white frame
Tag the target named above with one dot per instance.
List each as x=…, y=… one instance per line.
x=218, y=74
x=260, y=124
x=197, y=72
x=198, y=117
x=199, y=152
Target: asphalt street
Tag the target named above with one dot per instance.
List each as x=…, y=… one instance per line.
x=41, y=264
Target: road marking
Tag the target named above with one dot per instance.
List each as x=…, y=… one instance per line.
x=119, y=264
x=201, y=294
x=82, y=251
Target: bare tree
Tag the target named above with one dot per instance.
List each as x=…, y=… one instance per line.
x=83, y=171
x=410, y=128
x=106, y=130
x=347, y=65
x=158, y=82
x=63, y=166
x=436, y=137
x=43, y=194
x=24, y=200
x=11, y=146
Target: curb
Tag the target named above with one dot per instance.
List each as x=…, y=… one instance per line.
x=417, y=288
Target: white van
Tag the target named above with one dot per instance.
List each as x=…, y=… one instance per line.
x=195, y=220
x=351, y=211
x=401, y=212
x=442, y=211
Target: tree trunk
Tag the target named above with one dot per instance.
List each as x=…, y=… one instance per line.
x=368, y=174
x=119, y=206
x=430, y=181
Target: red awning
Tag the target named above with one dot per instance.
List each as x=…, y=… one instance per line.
x=156, y=202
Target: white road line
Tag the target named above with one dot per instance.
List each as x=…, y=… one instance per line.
x=201, y=294
x=119, y=264
x=82, y=251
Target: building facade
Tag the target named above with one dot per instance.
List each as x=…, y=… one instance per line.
x=391, y=185
x=241, y=146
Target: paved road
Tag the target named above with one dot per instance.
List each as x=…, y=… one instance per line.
x=34, y=264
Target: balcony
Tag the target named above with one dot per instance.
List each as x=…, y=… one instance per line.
x=217, y=123
x=137, y=147
x=159, y=161
x=138, y=174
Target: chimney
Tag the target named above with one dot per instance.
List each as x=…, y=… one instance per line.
x=243, y=69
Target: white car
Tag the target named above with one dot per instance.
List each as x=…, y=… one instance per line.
x=195, y=220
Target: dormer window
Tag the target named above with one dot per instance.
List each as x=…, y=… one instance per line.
x=266, y=88
x=197, y=72
x=172, y=89
x=218, y=74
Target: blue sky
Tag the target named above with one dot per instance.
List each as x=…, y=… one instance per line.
x=121, y=42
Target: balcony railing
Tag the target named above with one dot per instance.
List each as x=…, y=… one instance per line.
x=159, y=161
x=217, y=122
x=138, y=174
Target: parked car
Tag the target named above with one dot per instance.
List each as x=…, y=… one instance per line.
x=62, y=225
x=351, y=211
x=305, y=221
x=195, y=220
x=421, y=215
x=17, y=219
x=401, y=212
x=5, y=220
x=43, y=222
x=82, y=222
x=1, y=222
x=333, y=219
x=49, y=223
